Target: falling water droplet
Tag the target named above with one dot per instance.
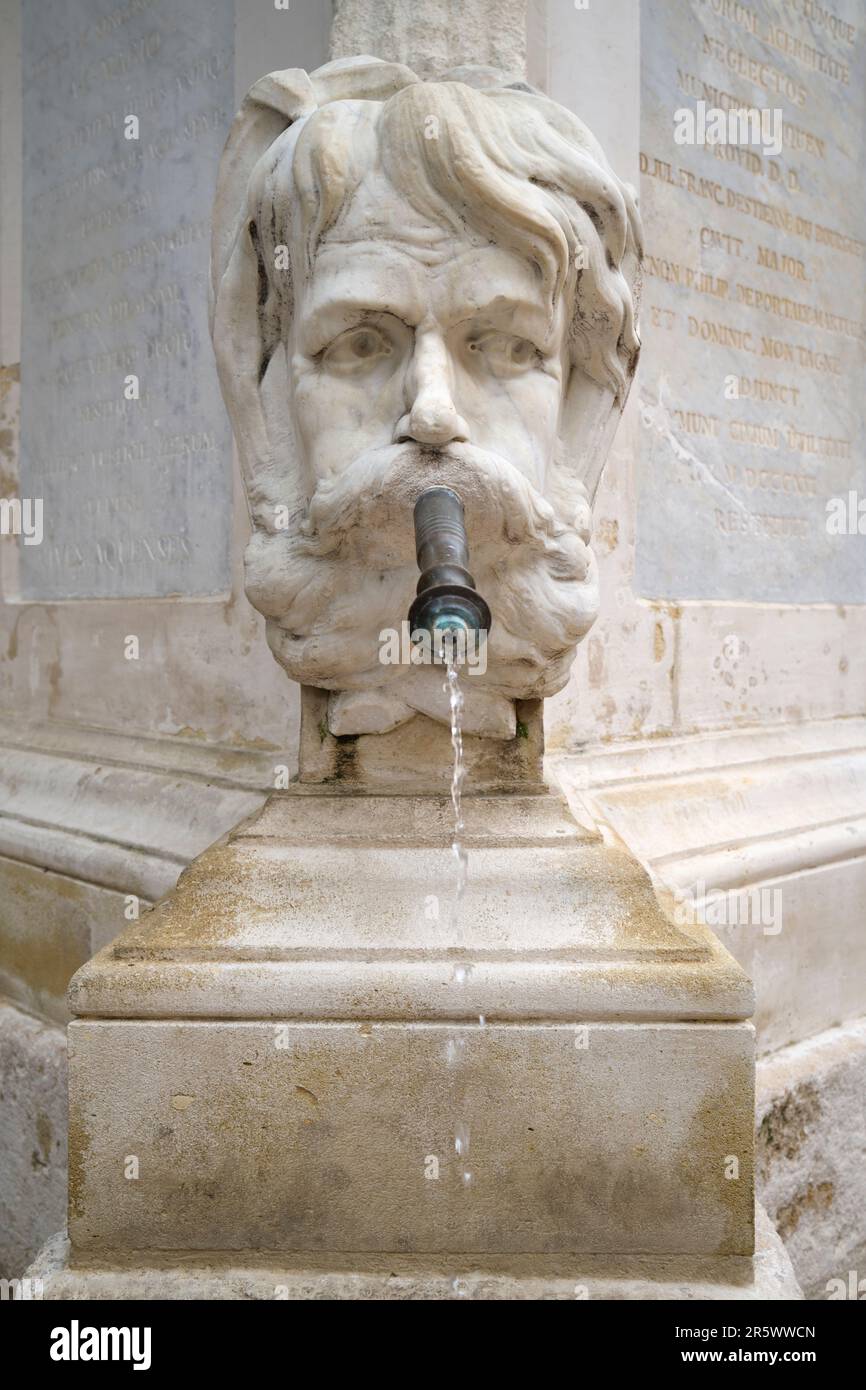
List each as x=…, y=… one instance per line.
x=461, y=1140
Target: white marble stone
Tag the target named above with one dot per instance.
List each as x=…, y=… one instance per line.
x=420, y=283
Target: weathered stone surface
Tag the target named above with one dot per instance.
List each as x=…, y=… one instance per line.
x=766, y=1276
x=33, y=1125
x=334, y=906
x=435, y=37
x=318, y=1029
x=810, y=1146
x=137, y=492
x=316, y=1136
x=418, y=756
x=751, y=387
x=49, y=926
x=762, y=836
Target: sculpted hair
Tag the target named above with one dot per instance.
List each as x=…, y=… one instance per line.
x=514, y=165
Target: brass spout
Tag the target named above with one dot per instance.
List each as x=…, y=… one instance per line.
x=446, y=599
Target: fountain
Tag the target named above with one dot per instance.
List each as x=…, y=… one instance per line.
x=297, y=1043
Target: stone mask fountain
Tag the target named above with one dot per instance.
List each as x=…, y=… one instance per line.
x=423, y=304
x=416, y=285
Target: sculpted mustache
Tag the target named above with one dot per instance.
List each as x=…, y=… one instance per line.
x=396, y=475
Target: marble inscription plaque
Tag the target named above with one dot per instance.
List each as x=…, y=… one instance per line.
x=752, y=381
x=137, y=492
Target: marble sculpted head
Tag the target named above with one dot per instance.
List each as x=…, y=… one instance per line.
x=414, y=284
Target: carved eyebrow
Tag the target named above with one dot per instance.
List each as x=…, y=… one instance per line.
x=536, y=321
x=328, y=320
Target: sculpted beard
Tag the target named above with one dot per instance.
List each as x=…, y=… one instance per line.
x=330, y=586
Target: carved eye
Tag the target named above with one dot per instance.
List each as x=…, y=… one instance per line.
x=503, y=354
x=358, y=349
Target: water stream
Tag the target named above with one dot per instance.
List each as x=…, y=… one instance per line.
x=457, y=1043
x=458, y=777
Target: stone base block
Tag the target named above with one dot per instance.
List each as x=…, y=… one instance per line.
x=411, y=1137
x=301, y=1050
x=765, y=1276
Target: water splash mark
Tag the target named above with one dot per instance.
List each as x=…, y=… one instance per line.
x=461, y=1148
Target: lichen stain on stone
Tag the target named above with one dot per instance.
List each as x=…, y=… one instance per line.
x=80, y=1151
x=9, y=378
x=606, y=535
x=659, y=644
x=787, y=1124
x=181, y=1102
x=722, y=1129
x=345, y=758
x=673, y=610
x=817, y=1197
x=12, y=646
x=203, y=909
x=46, y=959
x=40, y=1157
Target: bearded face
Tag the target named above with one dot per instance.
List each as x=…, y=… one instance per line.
x=413, y=332
x=418, y=358
x=348, y=575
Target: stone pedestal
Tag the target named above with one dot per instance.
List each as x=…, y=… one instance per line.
x=299, y=1051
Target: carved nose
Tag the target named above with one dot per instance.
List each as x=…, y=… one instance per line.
x=434, y=421
x=432, y=417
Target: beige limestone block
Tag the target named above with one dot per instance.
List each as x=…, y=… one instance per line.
x=302, y=1049
x=615, y=1137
